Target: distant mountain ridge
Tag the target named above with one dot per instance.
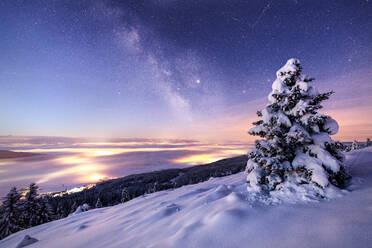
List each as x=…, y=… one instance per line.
x=4, y=154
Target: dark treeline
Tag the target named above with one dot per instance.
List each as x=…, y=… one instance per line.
x=115, y=191
x=20, y=212
x=355, y=145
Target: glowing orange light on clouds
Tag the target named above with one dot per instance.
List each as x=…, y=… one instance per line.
x=104, y=153
x=84, y=153
x=197, y=159
x=220, y=153
x=17, y=178
x=134, y=143
x=93, y=178
x=80, y=174
x=79, y=167
x=7, y=162
x=94, y=152
x=70, y=160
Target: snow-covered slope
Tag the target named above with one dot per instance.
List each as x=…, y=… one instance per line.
x=220, y=213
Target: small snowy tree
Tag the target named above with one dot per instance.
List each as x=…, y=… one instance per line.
x=10, y=221
x=152, y=188
x=125, y=195
x=73, y=207
x=368, y=142
x=354, y=145
x=83, y=208
x=296, y=146
x=98, y=203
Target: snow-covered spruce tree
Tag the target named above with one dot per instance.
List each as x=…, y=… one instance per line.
x=46, y=212
x=10, y=221
x=31, y=207
x=60, y=211
x=296, y=147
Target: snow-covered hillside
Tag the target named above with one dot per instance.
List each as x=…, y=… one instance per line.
x=220, y=213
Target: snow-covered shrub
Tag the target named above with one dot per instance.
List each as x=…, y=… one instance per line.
x=347, y=148
x=354, y=145
x=296, y=145
x=82, y=208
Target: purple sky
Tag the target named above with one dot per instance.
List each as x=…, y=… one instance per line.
x=175, y=69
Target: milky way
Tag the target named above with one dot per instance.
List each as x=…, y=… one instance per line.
x=172, y=68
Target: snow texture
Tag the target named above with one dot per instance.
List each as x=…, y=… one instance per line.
x=221, y=213
x=27, y=240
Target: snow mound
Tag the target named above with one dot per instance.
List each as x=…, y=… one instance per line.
x=221, y=213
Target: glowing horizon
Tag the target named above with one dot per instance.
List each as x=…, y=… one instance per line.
x=74, y=162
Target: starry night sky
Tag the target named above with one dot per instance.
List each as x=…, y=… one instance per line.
x=175, y=68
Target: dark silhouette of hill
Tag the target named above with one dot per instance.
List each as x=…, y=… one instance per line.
x=10, y=154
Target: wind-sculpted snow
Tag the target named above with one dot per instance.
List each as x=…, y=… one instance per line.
x=221, y=213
